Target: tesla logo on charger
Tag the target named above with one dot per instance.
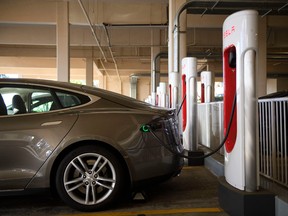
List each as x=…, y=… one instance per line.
x=229, y=32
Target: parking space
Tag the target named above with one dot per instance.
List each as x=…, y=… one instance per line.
x=193, y=193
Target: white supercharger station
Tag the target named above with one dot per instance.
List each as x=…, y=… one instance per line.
x=206, y=86
x=162, y=96
x=189, y=107
x=240, y=45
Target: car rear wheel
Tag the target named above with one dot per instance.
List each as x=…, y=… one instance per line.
x=89, y=178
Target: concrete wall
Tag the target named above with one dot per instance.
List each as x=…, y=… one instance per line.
x=279, y=84
x=77, y=75
x=282, y=84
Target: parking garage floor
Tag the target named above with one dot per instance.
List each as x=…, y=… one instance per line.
x=193, y=193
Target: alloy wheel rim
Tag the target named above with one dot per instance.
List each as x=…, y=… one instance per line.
x=89, y=178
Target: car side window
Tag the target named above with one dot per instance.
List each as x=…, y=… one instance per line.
x=3, y=108
x=68, y=99
x=20, y=100
x=41, y=101
x=25, y=99
x=13, y=100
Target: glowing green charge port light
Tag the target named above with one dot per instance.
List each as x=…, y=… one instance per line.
x=144, y=128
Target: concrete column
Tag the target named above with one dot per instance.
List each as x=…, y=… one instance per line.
x=179, y=49
x=271, y=86
x=133, y=87
x=62, y=43
x=262, y=58
x=105, y=80
x=89, y=71
x=183, y=54
x=261, y=87
x=281, y=84
x=172, y=12
x=155, y=42
x=182, y=37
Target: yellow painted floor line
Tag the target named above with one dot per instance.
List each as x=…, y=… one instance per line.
x=150, y=212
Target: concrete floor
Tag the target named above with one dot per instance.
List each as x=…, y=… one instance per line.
x=193, y=193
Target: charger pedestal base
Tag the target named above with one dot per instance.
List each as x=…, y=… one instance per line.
x=196, y=161
x=240, y=203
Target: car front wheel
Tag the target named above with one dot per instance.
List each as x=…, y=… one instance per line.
x=89, y=178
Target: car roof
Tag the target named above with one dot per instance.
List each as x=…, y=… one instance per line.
x=41, y=82
x=84, y=89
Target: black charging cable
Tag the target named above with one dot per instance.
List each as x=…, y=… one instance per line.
x=186, y=152
x=180, y=108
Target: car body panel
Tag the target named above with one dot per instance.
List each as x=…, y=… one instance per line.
x=140, y=156
x=37, y=141
x=26, y=141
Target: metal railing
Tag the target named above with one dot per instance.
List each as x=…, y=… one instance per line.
x=210, y=124
x=273, y=146
x=273, y=135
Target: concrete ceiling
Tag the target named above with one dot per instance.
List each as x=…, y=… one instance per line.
x=129, y=31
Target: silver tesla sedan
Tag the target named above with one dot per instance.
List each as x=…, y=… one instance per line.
x=89, y=145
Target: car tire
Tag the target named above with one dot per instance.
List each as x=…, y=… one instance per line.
x=89, y=178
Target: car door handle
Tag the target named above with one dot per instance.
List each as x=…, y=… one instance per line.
x=51, y=123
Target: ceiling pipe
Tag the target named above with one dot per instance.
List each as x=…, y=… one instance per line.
x=112, y=55
x=155, y=74
x=279, y=9
x=165, y=25
x=266, y=13
x=215, y=5
x=92, y=29
x=176, y=57
x=104, y=68
x=174, y=77
x=204, y=12
x=156, y=69
x=177, y=35
x=147, y=74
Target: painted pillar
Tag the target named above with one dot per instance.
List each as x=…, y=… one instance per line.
x=262, y=59
x=176, y=51
x=133, y=87
x=62, y=43
x=89, y=71
x=155, y=66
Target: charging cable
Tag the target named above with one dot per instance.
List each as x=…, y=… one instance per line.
x=186, y=152
x=180, y=108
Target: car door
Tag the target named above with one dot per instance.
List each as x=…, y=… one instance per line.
x=28, y=139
